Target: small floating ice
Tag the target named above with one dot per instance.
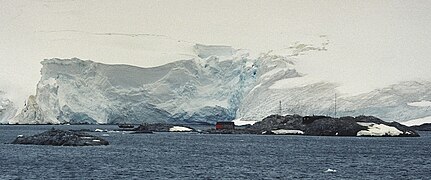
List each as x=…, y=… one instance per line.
x=329, y=170
x=96, y=140
x=20, y=136
x=101, y=130
x=179, y=129
x=114, y=131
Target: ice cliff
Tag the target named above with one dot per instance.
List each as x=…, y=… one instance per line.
x=219, y=84
x=7, y=109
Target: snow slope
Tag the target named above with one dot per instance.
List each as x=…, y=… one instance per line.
x=417, y=122
x=219, y=84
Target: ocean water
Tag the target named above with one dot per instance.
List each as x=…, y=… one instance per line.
x=204, y=156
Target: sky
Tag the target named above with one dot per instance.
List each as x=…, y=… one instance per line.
x=372, y=43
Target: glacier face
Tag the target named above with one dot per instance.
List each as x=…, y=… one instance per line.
x=219, y=84
x=196, y=90
x=7, y=109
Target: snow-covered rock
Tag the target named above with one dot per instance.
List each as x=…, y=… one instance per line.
x=239, y=122
x=220, y=84
x=378, y=130
x=285, y=131
x=179, y=129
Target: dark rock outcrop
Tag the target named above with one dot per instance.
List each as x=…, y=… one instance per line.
x=57, y=137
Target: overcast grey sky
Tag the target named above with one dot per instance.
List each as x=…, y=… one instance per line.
x=373, y=43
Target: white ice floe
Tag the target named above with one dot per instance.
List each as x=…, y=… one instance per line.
x=99, y=130
x=416, y=122
x=420, y=104
x=378, y=130
x=179, y=129
x=285, y=131
x=330, y=170
x=114, y=131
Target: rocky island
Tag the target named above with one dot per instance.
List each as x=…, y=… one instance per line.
x=323, y=126
x=56, y=137
x=161, y=127
x=422, y=127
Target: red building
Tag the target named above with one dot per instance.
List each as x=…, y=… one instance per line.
x=225, y=125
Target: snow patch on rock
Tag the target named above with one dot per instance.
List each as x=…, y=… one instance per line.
x=285, y=131
x=179, y=129
x=240, y=122
x=378, y=130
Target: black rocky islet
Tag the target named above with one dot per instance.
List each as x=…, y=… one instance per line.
x=56, y=137
x=156, y=127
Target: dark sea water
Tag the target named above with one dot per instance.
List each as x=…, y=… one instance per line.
x=203, y=156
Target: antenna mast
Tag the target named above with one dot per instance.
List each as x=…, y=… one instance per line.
x=335, y=105
x=279, y=110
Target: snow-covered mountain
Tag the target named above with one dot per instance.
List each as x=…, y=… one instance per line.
x=219, y=84
x=7, y=109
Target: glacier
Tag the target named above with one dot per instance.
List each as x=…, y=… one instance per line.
x=219, y=84
x=7, y=109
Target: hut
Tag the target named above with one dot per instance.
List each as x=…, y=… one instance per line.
x=225, y=125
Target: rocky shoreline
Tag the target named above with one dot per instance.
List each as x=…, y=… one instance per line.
x=323, y=126
x=368, y=126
